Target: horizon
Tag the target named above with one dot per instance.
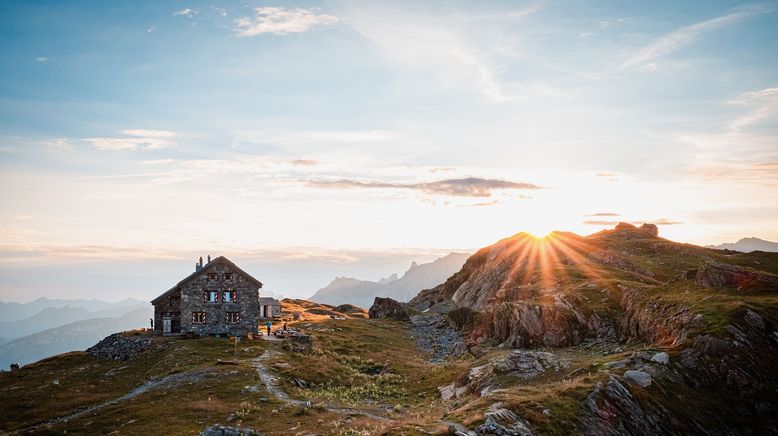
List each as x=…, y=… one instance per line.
x=336, y=138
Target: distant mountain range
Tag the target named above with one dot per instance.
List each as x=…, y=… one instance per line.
x=362, y=292
x=73, y=336
x=51, y=317
x=10, y=312
x=747, y=245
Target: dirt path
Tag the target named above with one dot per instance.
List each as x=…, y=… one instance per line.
x=163, y=382
x=271, y=384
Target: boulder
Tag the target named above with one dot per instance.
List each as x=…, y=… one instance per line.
x=389, y=308
x=713, y=274
x=503, y=422
x=640, y=378
x=661, y=358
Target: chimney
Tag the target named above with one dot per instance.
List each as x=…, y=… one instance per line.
x=209, y=258
x=199, y=266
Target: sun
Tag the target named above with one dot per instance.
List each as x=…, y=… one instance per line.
x=538, y=230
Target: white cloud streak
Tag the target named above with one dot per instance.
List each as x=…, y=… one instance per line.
x=135, y=139
x=282, y=21
x=687, y=35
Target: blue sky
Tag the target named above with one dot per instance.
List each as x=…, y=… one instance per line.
x=314, y=139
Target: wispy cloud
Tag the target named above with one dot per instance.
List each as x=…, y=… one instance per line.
x=449, y=47
x=688, y=34
x=135, y=139
x=615, y=21
x=189, y=13
x=42, y=59
x=465, y=187
x=604, y=214
x=282, y=21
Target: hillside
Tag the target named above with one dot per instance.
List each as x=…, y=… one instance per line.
x=73, y=336
x=345, y=290
x=620, y=332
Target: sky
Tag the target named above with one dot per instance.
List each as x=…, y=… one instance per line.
x=308, y=140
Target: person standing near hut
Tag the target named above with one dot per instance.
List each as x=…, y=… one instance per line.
x=268, y=324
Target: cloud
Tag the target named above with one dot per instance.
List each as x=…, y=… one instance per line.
x=282, y=21
x=448, y=48
x=659, y=222
x=465, y=187
x=42, y=59
x=744, y=150
x=687, y=35
x=150, y=29
x=608, y=23
x=604, y=214
x=135, y=140
x=189, y=13
x=305, y=162
x=59, y=144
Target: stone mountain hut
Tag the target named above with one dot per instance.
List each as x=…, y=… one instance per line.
x=217, y=299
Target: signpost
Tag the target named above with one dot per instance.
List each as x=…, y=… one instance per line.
x=235, y=356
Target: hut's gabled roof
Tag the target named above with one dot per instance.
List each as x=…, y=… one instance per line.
x=220, y=259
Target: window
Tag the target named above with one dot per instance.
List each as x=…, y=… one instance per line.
x=228, y=296
x=213, y=276
x=232, y=317
x=211, y=296
x=198, y=317
x=227, y=277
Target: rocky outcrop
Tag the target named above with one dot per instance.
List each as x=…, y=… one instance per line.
x=654, y=320
x=349, y=309
x=611, y=409
x=651, y=229
x=120, y=346
x=712, y=274
x=524, y=364
x=220, y=430
x=388, y=308
x=519, y=324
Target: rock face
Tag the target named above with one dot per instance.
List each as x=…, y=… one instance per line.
x=220, y=430
x=712, y=274
x=119, y=346
x=388, y=308
x=610, y=409
x=522, y=324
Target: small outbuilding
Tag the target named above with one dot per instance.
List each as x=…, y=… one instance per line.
x=269, y=307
